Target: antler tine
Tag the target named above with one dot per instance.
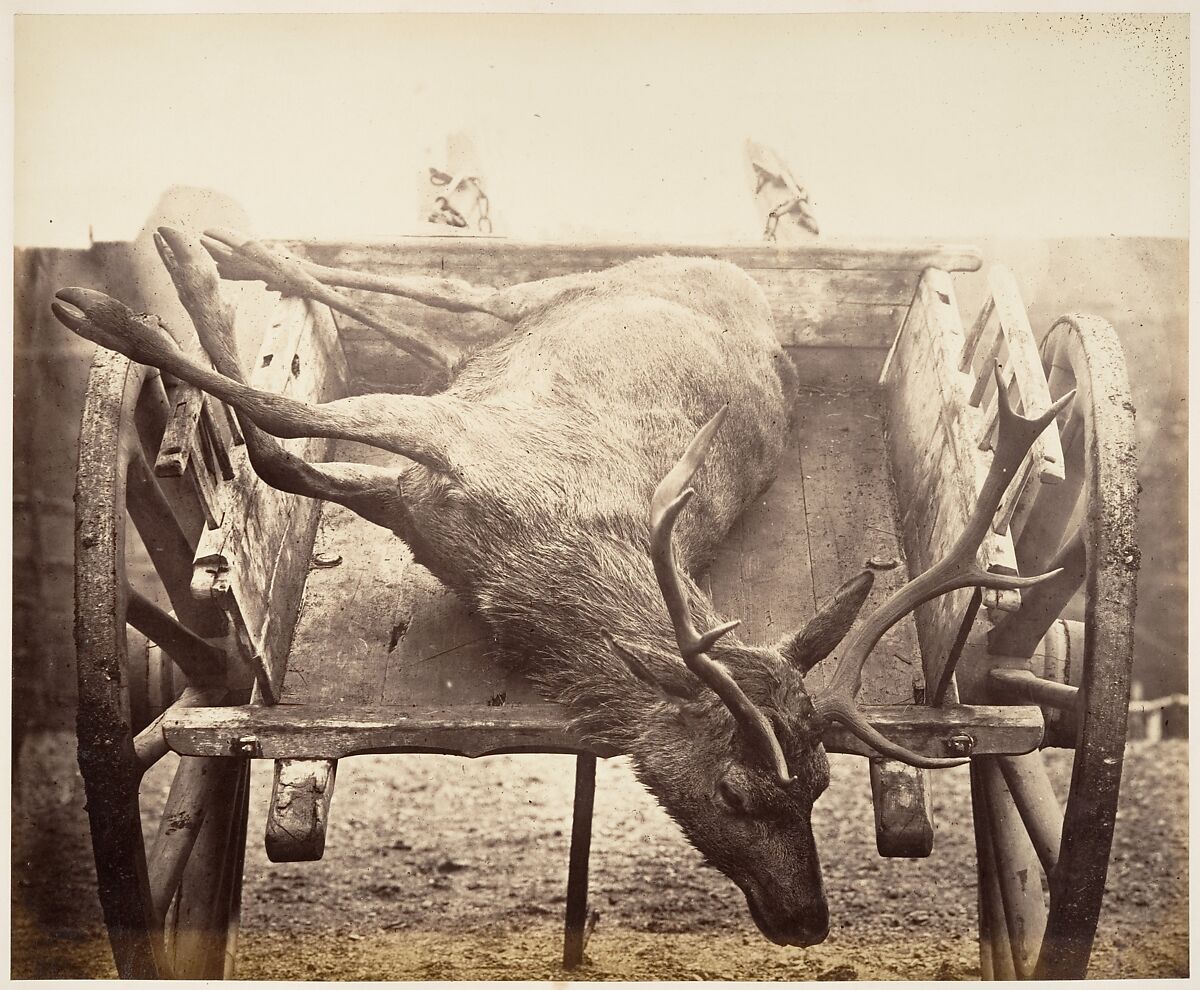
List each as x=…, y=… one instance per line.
x=669, y=500
x=958, y=569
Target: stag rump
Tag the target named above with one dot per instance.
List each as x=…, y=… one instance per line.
x=525, y=490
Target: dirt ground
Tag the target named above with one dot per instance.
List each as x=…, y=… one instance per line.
x=441, y=868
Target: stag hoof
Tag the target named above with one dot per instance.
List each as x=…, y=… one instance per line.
x=110, y=323
x=241, y=259
x=191, y=269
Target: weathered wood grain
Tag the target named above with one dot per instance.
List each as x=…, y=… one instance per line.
x=1024, y=372
x=849, y=506
x=828, y=296
x=453, y=254
x=255, y=564
x=936, y=463
x=378, y=629
x=335, y=732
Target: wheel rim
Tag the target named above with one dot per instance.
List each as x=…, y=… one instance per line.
x=1018, y=820
x=125, y=410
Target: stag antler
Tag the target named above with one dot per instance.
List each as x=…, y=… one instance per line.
x=669, y=500
x=958, y=569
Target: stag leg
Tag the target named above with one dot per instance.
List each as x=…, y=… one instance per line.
x=417, y=427
x=370, y=491
x=241, y=259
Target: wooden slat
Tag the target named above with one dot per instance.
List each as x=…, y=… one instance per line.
x=175, y=450
x=335, y=732
x=762, y=572
x=937, y=467
x=849, y=507
x=829, y=295
x=1025, y=368
x=255, y=565
x=456, y=254
x=846, y=310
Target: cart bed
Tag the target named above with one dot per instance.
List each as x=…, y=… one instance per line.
x=378, y=629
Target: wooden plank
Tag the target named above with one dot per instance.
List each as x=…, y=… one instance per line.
x=1025, y=368
x=175, y=450
x=441, y=656
x=359, y=598
x=457, y=254
x=255, y=564
x=936, y=464
x=812, y=308
x=849, y=506
x=761, y=573
x=335, y=732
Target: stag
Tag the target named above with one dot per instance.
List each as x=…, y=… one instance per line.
x=525, y=489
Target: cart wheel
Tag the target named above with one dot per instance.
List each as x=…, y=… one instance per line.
x=173, y=911
x=1079, y=674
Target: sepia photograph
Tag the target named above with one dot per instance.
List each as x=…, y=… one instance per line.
x=569, y=494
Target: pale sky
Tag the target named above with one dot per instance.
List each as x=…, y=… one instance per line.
x=609, y=126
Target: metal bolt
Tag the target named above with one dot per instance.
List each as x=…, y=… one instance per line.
x=246, y=746
x=960, y=745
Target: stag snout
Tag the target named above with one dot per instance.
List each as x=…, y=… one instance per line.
x=801, y=923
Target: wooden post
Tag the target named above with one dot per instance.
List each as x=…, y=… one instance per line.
x=299, y=815
x=577, y=926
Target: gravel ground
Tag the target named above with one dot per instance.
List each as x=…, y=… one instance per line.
x=439, y=868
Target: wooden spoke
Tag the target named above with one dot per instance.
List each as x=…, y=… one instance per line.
x=191, y=795
x=1020, y=879
x=1044, y=512
x=995, y=952
x=1030, y=787
x=205, y=919
x=1018, y=633
x=150, y=745
x=1024, y=685
x=198, y=659
x=168, y=546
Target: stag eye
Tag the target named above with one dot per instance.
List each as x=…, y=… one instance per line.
x=733, y=797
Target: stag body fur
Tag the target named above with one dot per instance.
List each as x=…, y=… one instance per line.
x=529, y=498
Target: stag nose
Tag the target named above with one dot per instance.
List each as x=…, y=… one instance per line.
x=801, y=925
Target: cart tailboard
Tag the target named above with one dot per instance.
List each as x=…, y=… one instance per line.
x=826, y=299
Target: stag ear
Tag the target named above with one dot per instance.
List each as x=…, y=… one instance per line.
x=829, y=626
x=674, y=683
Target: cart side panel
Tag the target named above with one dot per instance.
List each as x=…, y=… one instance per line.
x=256, y=562
x=932, y=438
x=842, y=306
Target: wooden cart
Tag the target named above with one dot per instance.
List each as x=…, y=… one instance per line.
x=331, y=642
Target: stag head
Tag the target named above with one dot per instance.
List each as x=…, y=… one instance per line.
x=744, y=762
